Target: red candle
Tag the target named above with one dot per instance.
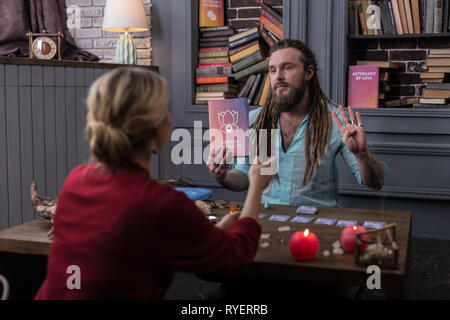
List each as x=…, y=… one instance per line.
x=348, y=238
x=304, y=245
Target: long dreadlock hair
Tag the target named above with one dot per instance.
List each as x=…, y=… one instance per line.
x=318, y=129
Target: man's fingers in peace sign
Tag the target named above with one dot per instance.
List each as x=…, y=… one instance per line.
x=347, y=122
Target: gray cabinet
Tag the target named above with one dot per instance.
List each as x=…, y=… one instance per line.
x=42, y=120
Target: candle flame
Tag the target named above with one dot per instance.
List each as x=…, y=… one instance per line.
x=355, y=228
x=306, y=233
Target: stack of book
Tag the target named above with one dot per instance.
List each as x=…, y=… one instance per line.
x=437, y=91
x=435, y=95
x=247, y=54
x=214, y=74
x=398, y=17
x=438, y=63
x=271, y=25
x=383, y=79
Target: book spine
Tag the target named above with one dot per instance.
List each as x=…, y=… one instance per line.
x=439, y=86
x=214, y=65
x=212, y=44
x=212, y=75
x=385, y=19
x=244, y=53
x=213, y=60
x=216, y=54
x=215, y=39
x=214, y=49
x=437, y=22
x=409, y=18
x=398, y=22
x=352, y=18
x=254, y=88
x=260, y=66
x=215, y=88
x=433, y=93
x=243, y=47
x=206, y=29
x=401, y=9
x=220, y=33
x=247, y=62
x=236, y=43
x=260, y=90
x=271, y=27
x=432, y=106
x=391, y=16
x=422, y=10
x=445, y=16
x=384, y=76
x=247, y=86
x=242, y=34
x=219, y=70
x=429, y=16
x=271, y=18
x=207, y=80
x=362, y=19
x=265, y=92
x=384, y=27
x=270, y=42
x=272, y=35
x=448, y=27
x=272, y=12
x=416, y=15
x=438, y=62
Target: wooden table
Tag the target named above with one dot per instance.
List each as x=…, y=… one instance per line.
x=276, y=260
x=27, y=238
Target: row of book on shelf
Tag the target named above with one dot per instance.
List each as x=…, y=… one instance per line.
x=397, y=17
x=234, y=64
x=368, y=83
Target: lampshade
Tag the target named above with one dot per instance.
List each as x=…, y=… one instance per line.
x=124, y=16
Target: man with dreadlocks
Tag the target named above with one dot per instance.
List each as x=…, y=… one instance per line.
x=308, y=141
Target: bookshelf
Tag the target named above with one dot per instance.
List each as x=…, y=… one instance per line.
x=243, y=73
x=410, y=48
x=402, y=36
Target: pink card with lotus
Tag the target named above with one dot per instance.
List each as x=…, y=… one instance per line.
x=228, y=125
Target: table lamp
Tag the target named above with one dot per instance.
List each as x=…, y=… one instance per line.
x=125, y=16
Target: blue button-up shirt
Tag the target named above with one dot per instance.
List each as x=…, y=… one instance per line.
x=323, y=189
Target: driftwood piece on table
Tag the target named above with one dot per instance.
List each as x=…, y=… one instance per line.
x=46, y=207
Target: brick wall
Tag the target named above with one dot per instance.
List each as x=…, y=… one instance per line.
x=90, y=36
x=244, y=14
x=410, y=53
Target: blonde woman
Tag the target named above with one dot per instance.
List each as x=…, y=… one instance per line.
x=118, y=233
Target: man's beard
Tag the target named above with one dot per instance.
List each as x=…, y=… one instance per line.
x=287, y=102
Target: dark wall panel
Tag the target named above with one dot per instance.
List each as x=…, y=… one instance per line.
x=42, y=119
